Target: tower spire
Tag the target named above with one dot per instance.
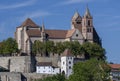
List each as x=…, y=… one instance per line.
x=76, y=15
x=43, y=27
x=87, y=13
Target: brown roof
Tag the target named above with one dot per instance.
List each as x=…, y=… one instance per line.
x=56, y=33
x=29, y=22
x=44, y=64
x=115, y=66
x=67, y=52
x=34, y=32
x=70, y=33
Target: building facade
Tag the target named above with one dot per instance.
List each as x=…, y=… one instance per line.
x=47, y=68
x=67, y=63
x=115, y=72
x=82, y=30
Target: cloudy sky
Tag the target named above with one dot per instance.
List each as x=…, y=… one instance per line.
x=57, y=14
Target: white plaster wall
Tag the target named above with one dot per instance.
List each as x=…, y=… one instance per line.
x=44, y=69
x=57, y=40
x=69, y=70
x=77, y=38
x=18, y=35
x=63, y=65
x=55, y=70
x=35, y=38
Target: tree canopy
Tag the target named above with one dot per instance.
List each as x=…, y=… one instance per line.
x=8, y=46
x=90, y=70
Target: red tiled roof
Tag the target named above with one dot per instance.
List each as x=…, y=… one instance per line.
x=44, y=64
x=29, y=22
x=56, y=33
x=60, y=33
x=115, y=66
x=70, y=33
x=33, y=32
x=67, y=52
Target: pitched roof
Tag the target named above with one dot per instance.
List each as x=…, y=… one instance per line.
x=56, y=33
x=76, y=15
x=115, y=66
x=29, y=22
x=44, y=64
x=70, y=33
x=34, y=32
x=67, y=52
x=87, y=13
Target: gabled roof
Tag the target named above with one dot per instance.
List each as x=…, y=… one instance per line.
x=76, y=16
x=29, y=22
x=34, y=33
x=56, y=33
x=87, y=13
x=70, y=33
x=115, y=66
x=67, y=52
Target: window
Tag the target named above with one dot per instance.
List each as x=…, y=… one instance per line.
x=76, y=35
x=69, y=62
x=88, y=22
x=69, y=67
x=78, y=22
x=63, y=63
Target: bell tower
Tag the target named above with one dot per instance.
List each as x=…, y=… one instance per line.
x=76, y=21
x=87, y=26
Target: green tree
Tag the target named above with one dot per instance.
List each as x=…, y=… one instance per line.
x=90, y=70
x=9, y=46
x=38, y=47
x=75, y=47
x=94, y=50
x=49, y=45
x=59, y=48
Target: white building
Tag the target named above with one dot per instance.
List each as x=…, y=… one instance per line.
x=67, y=63
x=115, y=72
x=46, y=68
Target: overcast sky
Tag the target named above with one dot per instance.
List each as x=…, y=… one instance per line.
x=57, y=14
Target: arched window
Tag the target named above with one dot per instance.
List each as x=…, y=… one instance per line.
x=88, y=22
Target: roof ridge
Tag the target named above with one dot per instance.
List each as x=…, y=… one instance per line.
x=29, y=22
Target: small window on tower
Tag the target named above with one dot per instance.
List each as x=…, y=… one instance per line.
x=78, y=22
x=69, y=62
x=76, y=35
x=88, y=22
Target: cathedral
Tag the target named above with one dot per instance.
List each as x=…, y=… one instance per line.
x=82, y=30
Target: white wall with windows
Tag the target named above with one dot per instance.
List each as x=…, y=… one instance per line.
x=66, y=65
x=47, y=70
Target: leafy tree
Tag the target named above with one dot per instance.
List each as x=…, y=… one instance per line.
x=94, y=50
x=90, y=70
x=9, y=46
x=38, y=47
x=57, y=77
x=50, y=46
x=75, y=47
x=59, y=48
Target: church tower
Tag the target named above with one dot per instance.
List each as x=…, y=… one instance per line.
x=43, y=33
x=87, y=26
x=76, y=21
